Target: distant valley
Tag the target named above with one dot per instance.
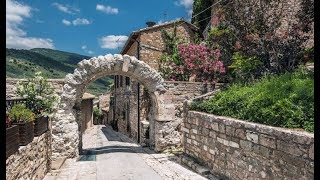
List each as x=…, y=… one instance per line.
x=52, y=63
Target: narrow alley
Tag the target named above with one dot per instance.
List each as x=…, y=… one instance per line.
x=113, y=156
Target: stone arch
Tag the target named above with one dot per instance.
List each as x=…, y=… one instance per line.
x=66, y=135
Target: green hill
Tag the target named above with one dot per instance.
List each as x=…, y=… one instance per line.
x=52, y=63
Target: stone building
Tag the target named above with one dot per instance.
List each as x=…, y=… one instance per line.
x=130, y=102
x=87, y=110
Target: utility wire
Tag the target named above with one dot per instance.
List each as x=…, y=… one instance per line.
x=202, y=12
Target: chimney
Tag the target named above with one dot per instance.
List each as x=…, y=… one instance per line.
x=150, y=23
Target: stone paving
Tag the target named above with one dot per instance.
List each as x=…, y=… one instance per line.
x=116, y=157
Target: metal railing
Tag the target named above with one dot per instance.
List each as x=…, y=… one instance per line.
x=12, y=101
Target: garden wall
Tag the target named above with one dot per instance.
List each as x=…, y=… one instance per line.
x=235, y=149
x=31, y=161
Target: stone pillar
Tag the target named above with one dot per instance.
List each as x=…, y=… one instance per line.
x=144, y=133
x=65, y=135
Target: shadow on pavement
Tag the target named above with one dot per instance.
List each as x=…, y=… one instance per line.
x=115, y=149
x=111, y=135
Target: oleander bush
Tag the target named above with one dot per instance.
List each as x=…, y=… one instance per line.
x=285, y=100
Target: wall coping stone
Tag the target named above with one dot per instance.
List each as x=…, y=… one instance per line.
x=17, y=79
x=261, y=128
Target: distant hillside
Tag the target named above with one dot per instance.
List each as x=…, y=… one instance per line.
x=52, y=63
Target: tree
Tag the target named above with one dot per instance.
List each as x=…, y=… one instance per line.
x=201, y=20
x=263, y=29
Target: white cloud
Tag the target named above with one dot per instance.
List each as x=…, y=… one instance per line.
x=84, y=48
x=39, y=21
x=15, y=36
x=107, y=9
x=76, y=22
x=187, y=4
x=66, y=22
x=112, y=41
x=80, y=21
x=65, y=8
x=90, y=52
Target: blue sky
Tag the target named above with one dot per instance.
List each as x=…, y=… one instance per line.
x=86, y=27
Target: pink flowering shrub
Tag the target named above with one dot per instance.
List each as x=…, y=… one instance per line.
x=195, y=61
x=201, y=62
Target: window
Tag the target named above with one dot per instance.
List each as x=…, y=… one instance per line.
x=121, y=78
x=116, y=81
x=127, y=81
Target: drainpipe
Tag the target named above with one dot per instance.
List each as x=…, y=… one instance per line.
x=114, y=100
x=138, y=57
x=138, y=112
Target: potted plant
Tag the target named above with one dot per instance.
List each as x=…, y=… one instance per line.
x=40, y=98
x=12, y=137
x=23, y=118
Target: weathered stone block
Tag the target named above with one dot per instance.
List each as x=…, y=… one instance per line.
x=311, y=152
x=194, y=131
x=267, y=141
x=205, y=147
x=246, y=145
x=233, y=144
x=252, y=136
x=213, y=134
x=222, y=128
x=230, y=131
x=205, y=132
x=183, y=129
x=215, y=126
x=289, y=148
x=240, y=133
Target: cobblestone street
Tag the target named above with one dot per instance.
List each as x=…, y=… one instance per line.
x=113, y=156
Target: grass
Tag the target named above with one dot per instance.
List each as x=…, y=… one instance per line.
x=283, y=101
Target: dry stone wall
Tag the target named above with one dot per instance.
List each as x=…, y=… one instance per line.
x=31, y=161
x=236, y=149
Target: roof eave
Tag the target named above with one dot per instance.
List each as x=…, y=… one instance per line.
x=129, y=42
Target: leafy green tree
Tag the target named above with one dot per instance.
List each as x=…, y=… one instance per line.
x=201, y=20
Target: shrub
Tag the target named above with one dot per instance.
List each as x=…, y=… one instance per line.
x=39, y=94
x=19, y=113
x=284, y=101
x=245, y=68
x=201, y=62
x=97, y=113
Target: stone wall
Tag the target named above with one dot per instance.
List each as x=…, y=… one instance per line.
x=31, y=161
x=236, y=149
x=11, y=86
x=152, y=44
x=127, y=116
x=86, y=110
